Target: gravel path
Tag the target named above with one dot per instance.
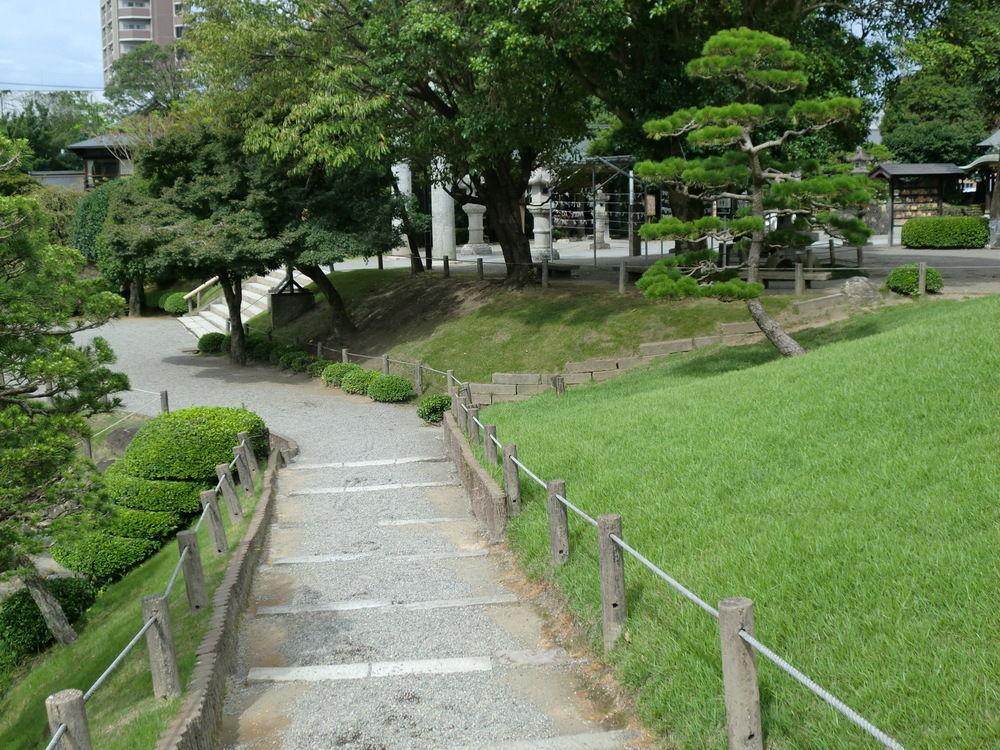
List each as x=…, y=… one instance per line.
x=380, y=618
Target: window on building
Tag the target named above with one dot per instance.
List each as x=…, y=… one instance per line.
x=178, y=32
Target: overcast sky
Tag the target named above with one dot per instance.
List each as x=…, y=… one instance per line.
x=54, y=42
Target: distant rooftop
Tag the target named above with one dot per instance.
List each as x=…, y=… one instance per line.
x=992, y=142
x=109, y=140
x=891, y=169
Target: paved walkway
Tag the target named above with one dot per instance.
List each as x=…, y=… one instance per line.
x=380, y=619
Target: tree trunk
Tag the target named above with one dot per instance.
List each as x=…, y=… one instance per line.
x=412, y=236
x=232, y=290
x=784, y=343
x=995, y=200
x=134, y=297
x=502, y=194
x=343, y=326
x=52, y=611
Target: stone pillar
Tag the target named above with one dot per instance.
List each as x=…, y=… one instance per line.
x=404, y=181
x=476, y=244
x=540, y=208
x=601, y=229
x=442, y=222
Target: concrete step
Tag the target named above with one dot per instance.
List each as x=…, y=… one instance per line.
x=196, y=325
x=255, y=287
x=215, y=320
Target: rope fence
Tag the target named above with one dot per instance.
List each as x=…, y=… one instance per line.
x=735, y=616
x=66, y=709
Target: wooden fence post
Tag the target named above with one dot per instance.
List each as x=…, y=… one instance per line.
x=160, y=642
x=229, y=491
x=194, y=575
x=455, y=408
x=385, y=364
x=164, y=403
x=921, y=278
x=345, y=356
x=251, y=459
x=246, y=481
x=861, y=257
x=621, y=277
x=480, y=271
x=88, y=447
x=67, y=707
x=380, y=266
x=465, y=412
x=511, y=480
x=418, y=378
x=558, y=522
x=545, y=273
x=612, y=562
x=739, y=676
x=810, y=258
x=450, y=377
x=800, y=280
x=446, y=267
x=215, y=521
x=490, y=447
x=559, y=383
x=833, y=258
x=473, y=425
x=319, y=350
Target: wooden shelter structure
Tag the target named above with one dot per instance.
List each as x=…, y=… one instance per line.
x=916, y=190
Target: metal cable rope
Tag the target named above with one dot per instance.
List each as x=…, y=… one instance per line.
x=494, y=439
x=432, y=369
x=529, y=472
x=589, y=519
x=201, y=518
x=141, y=390
x=118, y=659
x=676, y=585
x=60, y=731
x=177, y=570
x=821, y=693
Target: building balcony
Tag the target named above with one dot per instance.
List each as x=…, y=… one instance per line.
x=124, y=12
x=135, y=35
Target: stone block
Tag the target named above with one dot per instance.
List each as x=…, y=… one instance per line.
x=656, y=348
x=606, y=374
x=629, y=362
x=730, y=329
x=576, y=378
x=482, y=399
x=701, y=341
x=742, y=339
x=531, y=390
x=491, y=388
x=592, y=365
x=517, y=378
x=504, y=398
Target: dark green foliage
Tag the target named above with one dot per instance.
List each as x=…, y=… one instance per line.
x=142, y=524
x=89, y=219
x=334, y=373
x=23, y=630
x=295, y=360
x=946, y=232
x=317, y=366
x=100, y=555
x=664, y=280
x=211, y=343
x=904, y=279
x=280, y=351
x=432, y=408
x=389, y=388
x=60, y=205
x=259, y=348
x=188, y=444
x=152, y=494
x=175, y=304
x=357, y=381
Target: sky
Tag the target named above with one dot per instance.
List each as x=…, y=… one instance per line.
x=53, y=42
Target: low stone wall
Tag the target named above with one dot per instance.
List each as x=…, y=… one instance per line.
x=489, y=502
x=197, y=726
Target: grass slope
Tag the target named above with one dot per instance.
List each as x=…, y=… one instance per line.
x=851, y=493
x=123, y=714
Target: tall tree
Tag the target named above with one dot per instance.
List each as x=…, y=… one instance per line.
x=150, y=78
x=742, y=149
x=48, y=386
x=50, y=121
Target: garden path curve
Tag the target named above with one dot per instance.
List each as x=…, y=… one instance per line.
x=380, y=618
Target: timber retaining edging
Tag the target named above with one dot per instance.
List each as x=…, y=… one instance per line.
x=197, y=726
x=487, y=500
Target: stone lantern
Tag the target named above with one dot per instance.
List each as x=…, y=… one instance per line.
x=541, y=207
x=476, y=244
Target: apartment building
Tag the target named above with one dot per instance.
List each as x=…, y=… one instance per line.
x=125, y=24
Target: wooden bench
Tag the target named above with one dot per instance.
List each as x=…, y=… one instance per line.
x=558, y=269
x=781, y=274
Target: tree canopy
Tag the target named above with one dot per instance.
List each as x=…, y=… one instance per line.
x=150, y=78
x=50, y=121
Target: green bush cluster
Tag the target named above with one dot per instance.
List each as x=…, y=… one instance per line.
x=432, y=408
x=295, y=360
x=163, y=495
x=389, y=389
x=259, y=347
x=212, y=343
x=664, y=280
x=174, y=303
x=142, y=524
x=357, y=381
x=317, y=366
x=905, y=279
x=335, y=372
x=945, y=232
x=22, y=628
x=100, y=555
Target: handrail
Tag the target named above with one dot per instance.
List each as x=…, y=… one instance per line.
x=202, y=287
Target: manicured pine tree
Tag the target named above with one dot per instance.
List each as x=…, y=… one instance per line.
x=738, y=151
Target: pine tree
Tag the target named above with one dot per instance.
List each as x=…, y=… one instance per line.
x=741, y=153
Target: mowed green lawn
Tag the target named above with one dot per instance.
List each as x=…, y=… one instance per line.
x=851, y=493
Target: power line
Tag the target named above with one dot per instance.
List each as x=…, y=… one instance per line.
x=52, y=86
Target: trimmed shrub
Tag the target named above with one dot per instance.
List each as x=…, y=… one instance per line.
x=100, y=555
x=295, y=360
x=664, y=280
x=91, y=212
x=357, y=381
x=278, y=351
x=389, y=389
x=317, y=366
x=175, y=304
x=142, y=524
x=211, y=343
x=946, y=232
x=432, y=408
x=904, y=279
x=162, y=495
x=259, y=348
x=189, y=443
x=334, y=373
x=22, y=628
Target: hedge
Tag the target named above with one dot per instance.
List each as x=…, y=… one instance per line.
x=88, y=222
x=334, y=373
x=161, y=495
x=22, y=628
x=295, y=360
x=937, y=232
x=175, y=304
x=317, y=366
x=100, y=555
x=905, y=279
x=142, y=524
x=211, y=343
x=188, y=444
x=432, y=408
x=357, y=381
x=389, y=388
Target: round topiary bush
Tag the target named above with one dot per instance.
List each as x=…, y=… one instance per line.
x=389, y=389
x=904, y=279
x=100, y=555
x=296, y=361
x=152, y=494
x=189, y=443
x=175, y=304
x=211, y=343
x=22, y=628
x=432, y=408
x=317, y=366
x=142, y=524
x=357, y=381
x=334, y=373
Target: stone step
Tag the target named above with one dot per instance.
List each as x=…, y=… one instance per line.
x=196, y=325
x=215, y=320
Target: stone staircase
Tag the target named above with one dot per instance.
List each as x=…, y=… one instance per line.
x=214, y=317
